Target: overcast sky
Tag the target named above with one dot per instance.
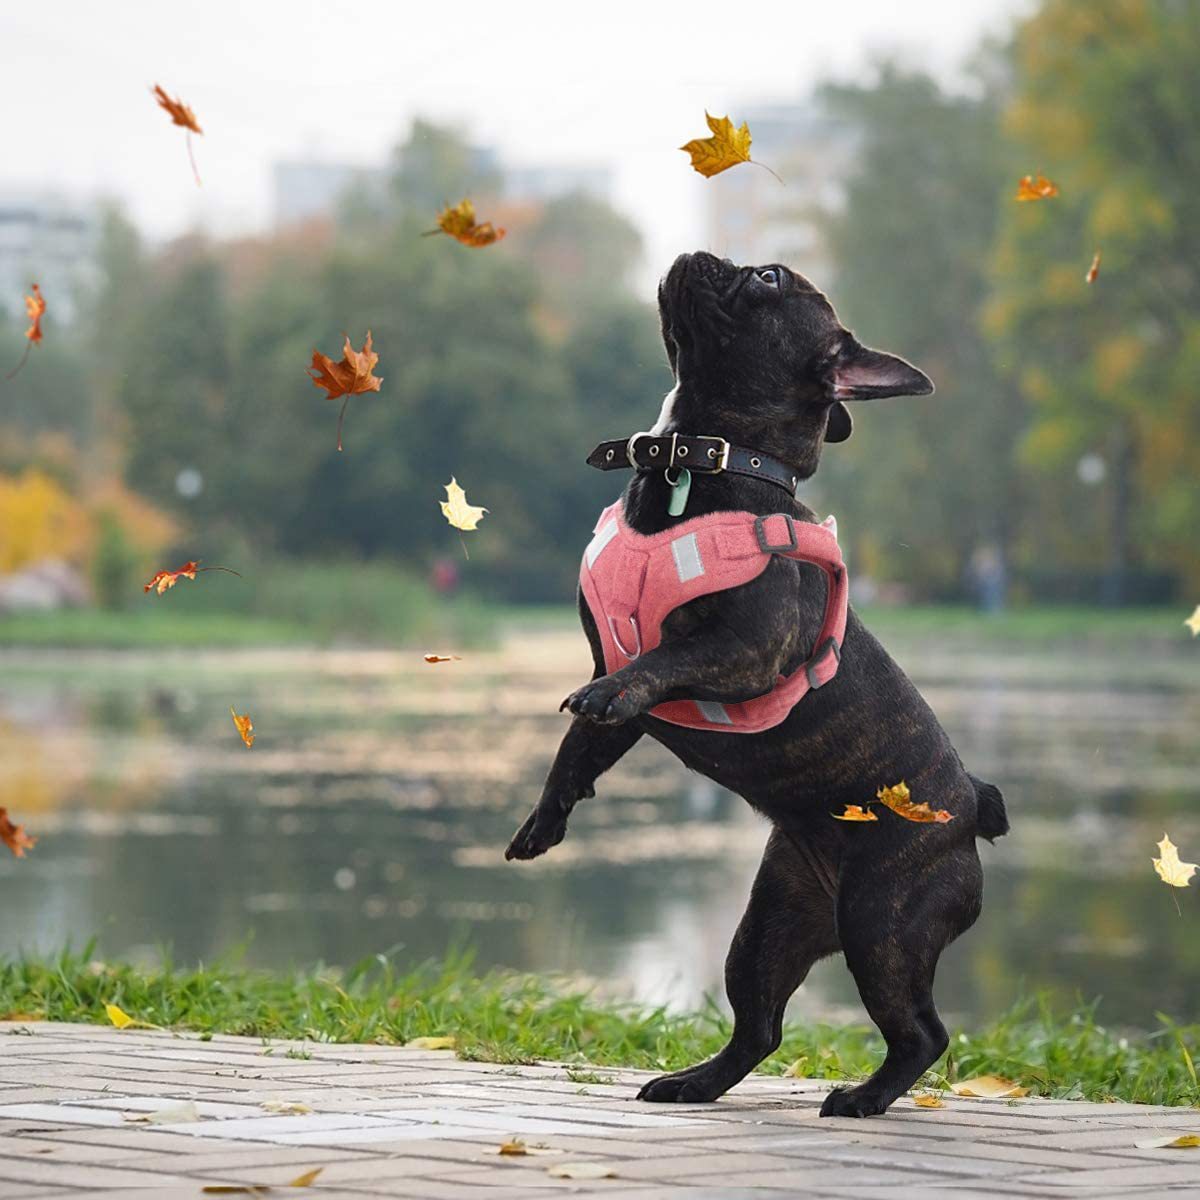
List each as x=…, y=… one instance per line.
x=543, y=82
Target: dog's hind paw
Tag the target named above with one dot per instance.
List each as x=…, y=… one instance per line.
x=546, y=826
x=607, y=700
x=852, y=1102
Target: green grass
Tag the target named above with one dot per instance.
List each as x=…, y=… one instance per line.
x=508, y=1018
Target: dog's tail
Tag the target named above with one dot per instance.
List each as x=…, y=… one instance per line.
x=991, y=819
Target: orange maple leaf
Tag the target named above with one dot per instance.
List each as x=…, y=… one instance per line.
x=245, y=726
x=458, y=220
x=855, y=812
x=14, y=836
x=1094, y=270
x=183, y=116
x=439, y=658
x=1039, y=188
x=898, y=799
x=350, y=377
x=35, y=307
x=165, y=580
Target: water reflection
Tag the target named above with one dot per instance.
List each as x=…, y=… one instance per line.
x=373, y=811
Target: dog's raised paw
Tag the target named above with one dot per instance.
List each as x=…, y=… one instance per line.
x=606, y=700
x=543, y=828
x=851, y=1102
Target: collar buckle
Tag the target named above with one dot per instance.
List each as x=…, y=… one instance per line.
x=717, y=456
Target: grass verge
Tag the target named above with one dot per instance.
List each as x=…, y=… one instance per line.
x=503, y=1017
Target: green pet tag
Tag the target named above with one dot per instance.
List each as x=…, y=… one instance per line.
x=679, y=492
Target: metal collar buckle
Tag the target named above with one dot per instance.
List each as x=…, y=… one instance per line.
x=716, y=462
x=631, y=447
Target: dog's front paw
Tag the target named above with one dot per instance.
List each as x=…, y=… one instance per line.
x=852, y=1102
x=607, y=700
x=693, y=1086
x=546, y=826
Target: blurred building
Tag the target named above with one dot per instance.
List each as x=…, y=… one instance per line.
x=306, y=189
x=47, y=238
x=548, y=182
x=752, y=218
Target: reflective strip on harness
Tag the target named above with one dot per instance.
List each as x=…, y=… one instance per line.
x=604, y=535
x=688, y=563
x=713, y=712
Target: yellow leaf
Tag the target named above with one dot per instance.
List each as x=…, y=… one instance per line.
x=1193, y=622
x=1040, y=188
x=726, y=148
x=286, y=1108
x=120, y=1018
x=855, y=812
x=457, y=511
x=306, y=1179
x=587, y=1170
x=989, y=1087
x=174, y=1114
x=514, y=1147
x=1185, y=1141
x=898, y=799
x=1170, y=869
x=431, y=1043
x=797, y=1069
x=929, y=1100
x=244, y=725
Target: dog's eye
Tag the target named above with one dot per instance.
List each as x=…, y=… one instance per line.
x=770, y=276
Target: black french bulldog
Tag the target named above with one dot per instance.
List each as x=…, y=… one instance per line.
x=760, y=359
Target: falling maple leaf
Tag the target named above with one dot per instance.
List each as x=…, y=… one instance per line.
x=726, y=148
x=855, y=812
x=165, y=580
x=35, y=308
x=897, y=798
x=1094, y=270
x=989, y=1087
x=439, y=658
x=458, y=220
x=14, y=836
x=183, y=116
x=244, y=726
x=928, y=1100
x=1170, y=869
x=1193, y=622
x=458, y=512
x=350, y=377
x=1035, y=188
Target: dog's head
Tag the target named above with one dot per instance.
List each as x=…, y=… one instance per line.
x=760, y=352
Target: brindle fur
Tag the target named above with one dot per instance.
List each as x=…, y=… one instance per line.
x=769, y=368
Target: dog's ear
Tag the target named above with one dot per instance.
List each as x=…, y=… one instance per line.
x=840, y=426
x=860, y=373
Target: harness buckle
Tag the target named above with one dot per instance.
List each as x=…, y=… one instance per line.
x=760, y=531
x=830, y=643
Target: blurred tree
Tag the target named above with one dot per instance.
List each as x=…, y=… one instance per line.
x=436, y=166
x=1105, y=103
x=924, y=483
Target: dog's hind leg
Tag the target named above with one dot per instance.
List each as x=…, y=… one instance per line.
x=892, y=938
x=586, y=752
x=787, y=926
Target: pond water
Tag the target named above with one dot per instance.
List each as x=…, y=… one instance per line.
x=372, y=814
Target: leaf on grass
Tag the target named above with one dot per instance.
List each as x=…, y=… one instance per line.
x=928, y=1100
x=14, y=836
x=513, y=1148
x=1170, y=869
x=1182, y=1141
x=1035, y=188
x=437, y=658
x=855, y=812
x=796, y=1070
x=431, y=1043
x=183, y=1113
x=989, y=1087
x=726, y=148
x=458, y=221
x=244, y=725
x=286, y=1108
x=119, y=1017
x=585, y=1170
x=1193, y=622
x=1094, y=270
x=350, y=377
x=899, y=800
x=457, y=511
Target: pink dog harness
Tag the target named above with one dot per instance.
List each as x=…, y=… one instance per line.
x=632, y=581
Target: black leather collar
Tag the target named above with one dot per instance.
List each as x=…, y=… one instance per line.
x=701, y=455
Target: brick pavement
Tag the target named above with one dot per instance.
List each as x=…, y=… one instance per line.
x=390, y=1121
